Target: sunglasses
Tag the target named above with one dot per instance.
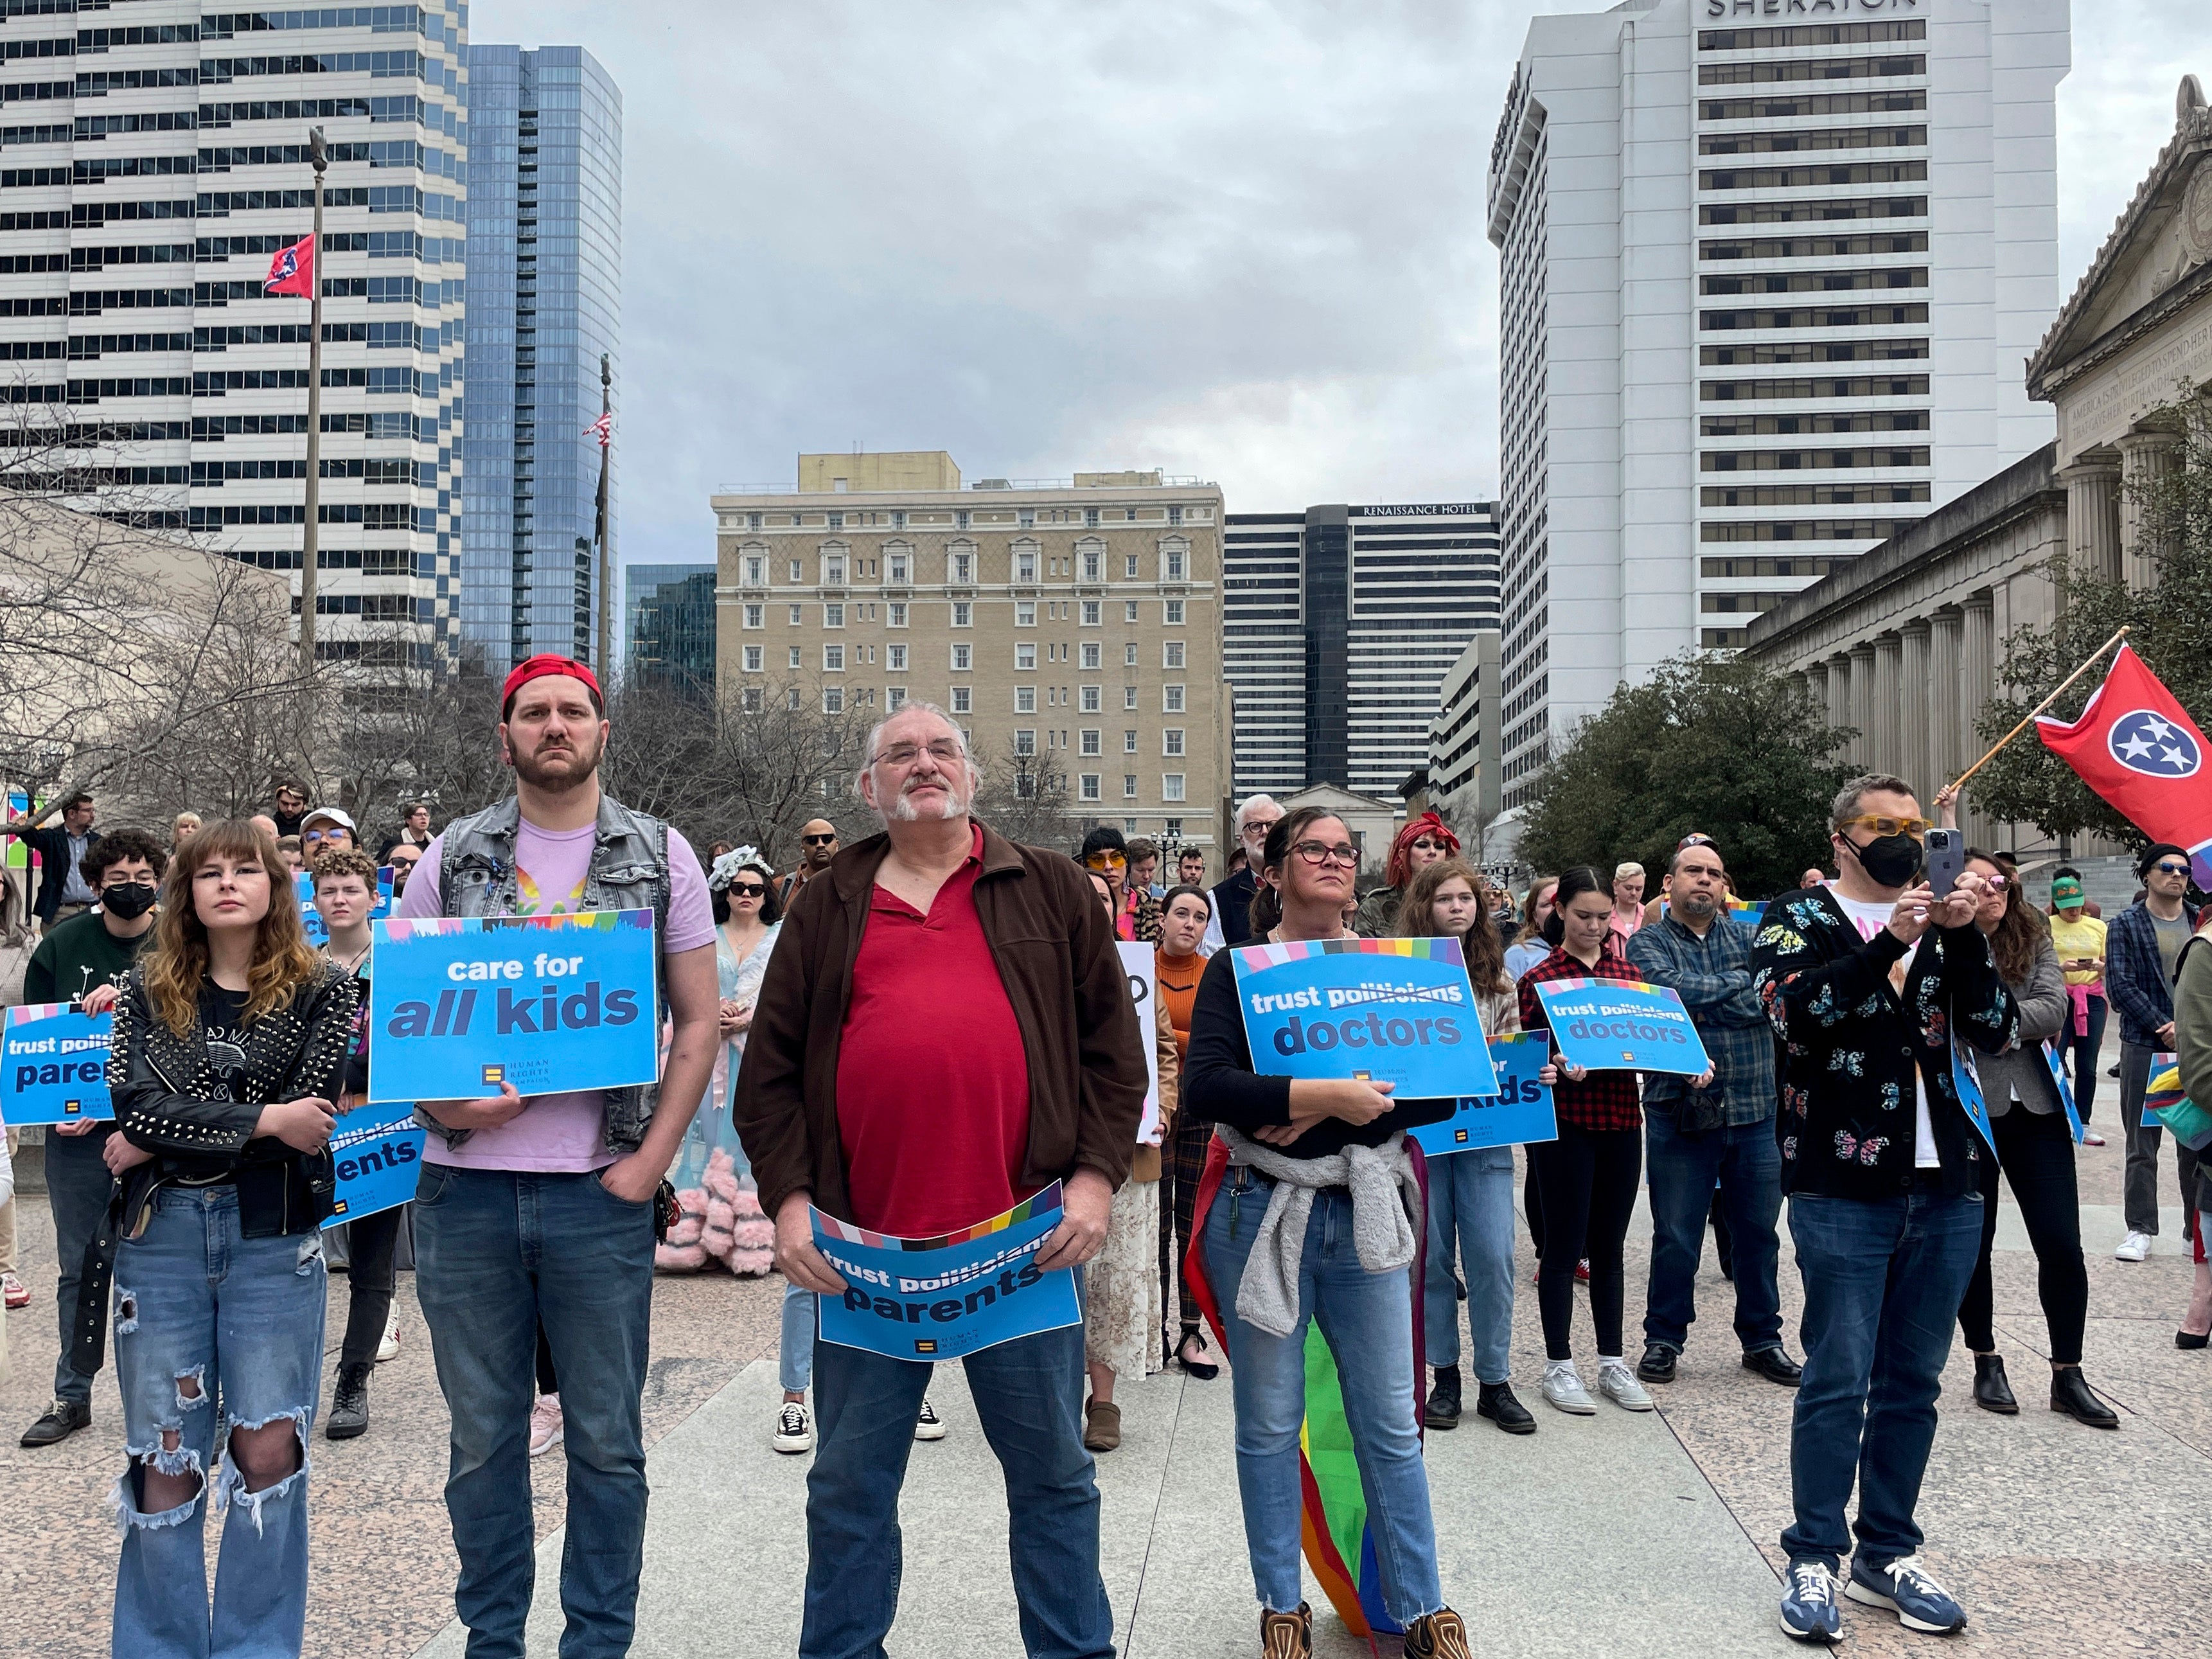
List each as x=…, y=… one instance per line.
x=1108, y=861
x=747, y=890
x=1916, y=828
x=816, y=841
x=323, y=835
x=2170, y=868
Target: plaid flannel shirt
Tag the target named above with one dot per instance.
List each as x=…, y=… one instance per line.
x=1712, y=975
x=2134, y=974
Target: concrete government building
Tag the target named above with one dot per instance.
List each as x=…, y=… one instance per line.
x=1071, y=627
x=1768, y=268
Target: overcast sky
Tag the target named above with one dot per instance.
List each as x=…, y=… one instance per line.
x=1238, y=240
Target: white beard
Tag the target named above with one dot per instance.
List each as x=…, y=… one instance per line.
x=956, y=803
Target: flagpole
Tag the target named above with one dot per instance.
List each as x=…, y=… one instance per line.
x=309, y=541
x=2037, y=709
x=606, y=573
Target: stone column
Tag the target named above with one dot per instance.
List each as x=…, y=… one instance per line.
x=1814, y=677
x=1839, y=695
x=1944, y=762
x=2092, y=518
x=1978, y=673
x=1864, y=750
x=2145, y=457
x=1916, y=699
x=1888, y=704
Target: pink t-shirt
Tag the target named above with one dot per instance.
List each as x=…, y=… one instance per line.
x=559, y=1134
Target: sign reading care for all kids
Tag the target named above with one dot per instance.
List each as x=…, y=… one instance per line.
x=1622, y=1025
x=460, y=1005
x=56, y=1061
x=1394, y=1011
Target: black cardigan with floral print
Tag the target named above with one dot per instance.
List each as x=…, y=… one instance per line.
x=1849, y=1044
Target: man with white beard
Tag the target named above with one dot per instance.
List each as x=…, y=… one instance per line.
x=945, y=1030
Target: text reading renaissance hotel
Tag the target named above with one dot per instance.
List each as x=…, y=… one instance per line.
x=1769, y=270
x=153, y=157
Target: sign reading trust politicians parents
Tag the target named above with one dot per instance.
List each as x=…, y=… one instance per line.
x=55, y=1061
x=459, y=1005
x=1394, y=1011
x=942, y=1298
x=1621, y=1025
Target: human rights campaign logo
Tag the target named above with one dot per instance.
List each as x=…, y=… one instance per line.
x=2145, y=741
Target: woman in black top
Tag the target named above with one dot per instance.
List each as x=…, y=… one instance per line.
x=229, y=1052
x=1310, y=1221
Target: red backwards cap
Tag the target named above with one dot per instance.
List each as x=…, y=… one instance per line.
x=537, y=668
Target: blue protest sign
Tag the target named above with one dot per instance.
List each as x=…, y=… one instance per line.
x=1622, y=1025
x=1967, y=1079
x=377, y=1152
x=1520, y=1112
x=311, y=918
x=53, y=1065
x=2051, y=1058
x=942, y=1298
x=1395, y=1011
x=459, y=1005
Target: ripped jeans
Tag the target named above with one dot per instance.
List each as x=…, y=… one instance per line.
x=213, y=1332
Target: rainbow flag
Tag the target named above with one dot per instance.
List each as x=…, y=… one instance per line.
x=1332, y=1526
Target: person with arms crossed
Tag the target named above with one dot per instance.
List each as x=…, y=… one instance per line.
x=540, y=1211
x=1041, y=1079
x=2143, y=950
x=1869, y=982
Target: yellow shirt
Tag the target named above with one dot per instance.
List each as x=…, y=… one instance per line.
x=2084, y=937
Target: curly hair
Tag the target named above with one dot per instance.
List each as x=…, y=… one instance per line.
x=344, y=861
x=1484, y=956
x=176, y=964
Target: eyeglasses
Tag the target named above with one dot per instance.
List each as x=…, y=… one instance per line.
x=2169, y=868
x=1317, y=853
x=747, y=890
x=322, y=834
x=1106, y=860
x=1916, y=828
x=818, y=841
x=944, y=749
x=1259, y=831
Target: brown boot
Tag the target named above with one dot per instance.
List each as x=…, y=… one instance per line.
x=1287, y=1635
x=1102, y=1426
x=1438, y=1635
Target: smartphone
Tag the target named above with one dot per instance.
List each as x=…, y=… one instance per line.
x=1947, y=858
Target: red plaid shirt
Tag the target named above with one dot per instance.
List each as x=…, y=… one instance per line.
x=1603, y=1100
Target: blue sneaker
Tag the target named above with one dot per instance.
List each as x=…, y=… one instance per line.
x=1809, y=1611
x=1905, y=1587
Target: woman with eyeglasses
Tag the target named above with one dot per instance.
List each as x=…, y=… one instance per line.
x=1311, y=1221
x=1136, y=914
x=2035, y=1150
x=1587, y=1178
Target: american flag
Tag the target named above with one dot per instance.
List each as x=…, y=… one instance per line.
x=603, y=430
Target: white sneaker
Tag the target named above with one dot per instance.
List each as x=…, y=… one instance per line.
x=1563, y=1388
x=2134, y=1248
x=794, y=1428
x=1619, y=1384
x=928, y=1425
x=544, y=1424
x=389, y=1348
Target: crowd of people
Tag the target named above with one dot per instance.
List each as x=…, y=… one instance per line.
x=1847, y=1022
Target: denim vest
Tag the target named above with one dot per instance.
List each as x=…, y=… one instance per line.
x=629, y=870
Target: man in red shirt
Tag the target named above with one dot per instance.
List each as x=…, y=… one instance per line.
x=944, y=1028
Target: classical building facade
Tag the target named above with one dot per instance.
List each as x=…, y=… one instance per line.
x=1072, y=626
x=1905, y=643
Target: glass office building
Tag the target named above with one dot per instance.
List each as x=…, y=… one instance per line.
x=545, y=304
x=669, y=632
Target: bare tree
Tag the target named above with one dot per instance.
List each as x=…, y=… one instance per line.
x=1024, y=797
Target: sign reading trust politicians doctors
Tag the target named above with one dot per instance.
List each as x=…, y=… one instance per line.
x=1396, y=1011
x=459, y=1005
x=1622, y=1025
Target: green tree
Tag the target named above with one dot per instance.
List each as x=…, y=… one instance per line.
x=2169, y=625
x=1714, y=744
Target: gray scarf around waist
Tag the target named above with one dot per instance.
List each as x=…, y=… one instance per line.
x=1386, y=1205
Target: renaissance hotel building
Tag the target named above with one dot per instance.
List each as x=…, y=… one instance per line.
x=1770, y=271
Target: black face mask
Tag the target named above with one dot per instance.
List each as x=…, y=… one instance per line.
x=1888, y=860
x=129, y=901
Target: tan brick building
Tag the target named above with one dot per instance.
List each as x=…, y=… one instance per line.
x=1072, y=628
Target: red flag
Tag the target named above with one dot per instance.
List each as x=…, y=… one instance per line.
x=2136, y=748
x=293, y=269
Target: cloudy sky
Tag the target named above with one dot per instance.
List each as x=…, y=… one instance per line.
x=1227, y=239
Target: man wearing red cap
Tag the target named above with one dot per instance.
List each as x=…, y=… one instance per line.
x=1424, y=841
x=538, y=1213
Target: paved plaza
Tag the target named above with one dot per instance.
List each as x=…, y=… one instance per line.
x=1615, y=1535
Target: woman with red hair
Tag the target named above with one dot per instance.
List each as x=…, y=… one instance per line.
x=1424, y=841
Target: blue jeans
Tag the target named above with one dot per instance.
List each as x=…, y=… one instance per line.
x=77, y=1183
x=1029, y=1393
x=211, y=1325
x=497, y=1252
x=794, y=1362
x=1744, y=1159
x=2082, y=1055
x=1883, y=1279
x=1368, y=1319
x=1471, y=1205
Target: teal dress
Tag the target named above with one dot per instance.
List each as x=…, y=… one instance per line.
x=739, y=981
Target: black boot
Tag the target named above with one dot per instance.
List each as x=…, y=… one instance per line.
x=1991, y=1392
x=2070, y=1393
x=349, y=1404
x=1444, y=1399
x=1498, y=1402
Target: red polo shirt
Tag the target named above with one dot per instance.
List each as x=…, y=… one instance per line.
x=933, y=1082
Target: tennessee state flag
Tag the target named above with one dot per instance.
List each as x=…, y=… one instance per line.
x=293, y=269
x=2135, y=747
